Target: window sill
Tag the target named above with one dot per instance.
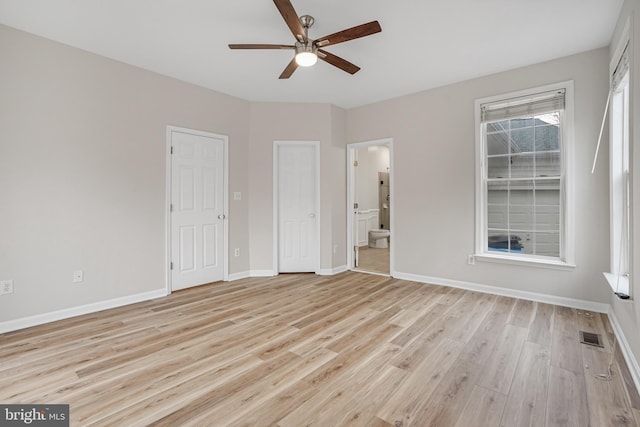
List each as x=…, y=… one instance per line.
x=528, y=262
x=619, y=284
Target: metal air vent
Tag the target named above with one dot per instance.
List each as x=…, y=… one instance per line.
x=590, y=338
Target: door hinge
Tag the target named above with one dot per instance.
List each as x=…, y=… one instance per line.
x=171, y=207
x=355, y=206
x=171, y=266
x=171, y=149
x=355, y=163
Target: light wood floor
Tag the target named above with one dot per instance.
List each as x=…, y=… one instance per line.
x=352, y=349
x=373, y=259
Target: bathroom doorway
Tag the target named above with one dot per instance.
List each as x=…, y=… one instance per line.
x=370, y=207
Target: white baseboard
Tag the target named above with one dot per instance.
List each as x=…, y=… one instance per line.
x=239, y=276
x=531, y=296
x=262, y=273
x=374, y=273
x=632, y=363
x=270, y=273
x=40, y=319
x=332, y=271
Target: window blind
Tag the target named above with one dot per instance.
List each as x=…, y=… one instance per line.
x=524, y=106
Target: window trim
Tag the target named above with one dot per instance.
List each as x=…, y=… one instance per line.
x=621, y=283
x=567, y=237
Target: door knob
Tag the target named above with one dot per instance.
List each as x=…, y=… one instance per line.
x=221, y=216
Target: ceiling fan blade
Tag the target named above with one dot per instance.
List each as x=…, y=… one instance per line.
x=289, y=70
x=291, y=18
x=261, y=46
x=336, y=61
x=349, y=34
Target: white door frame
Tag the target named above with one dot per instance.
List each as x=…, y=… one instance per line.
x=351, y=181
x=225, y=186
x=276, y=231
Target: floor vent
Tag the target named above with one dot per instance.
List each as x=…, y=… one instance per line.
x=591, y=339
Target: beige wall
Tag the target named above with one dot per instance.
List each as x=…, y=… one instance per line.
x=338, y=174
x=627, y=313
x=296, y=122
x=82, y=173
x=434, y=173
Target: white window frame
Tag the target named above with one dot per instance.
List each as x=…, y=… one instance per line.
x=620, y=184
x=567, y=223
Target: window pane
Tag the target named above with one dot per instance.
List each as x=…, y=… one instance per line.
x=497, y=204
x=548, y=164
x=522, y=122
x=521, y=204
x=498, y=126
x=547, y=209
x=549, y=184
x=497, y=143
x=547, y=138
x=522, y=166
x=528, y=245
x=498, y=167
x=500, y=241
x=522, y=140
x=549, y=118
x=547, y=244
x=547, y=218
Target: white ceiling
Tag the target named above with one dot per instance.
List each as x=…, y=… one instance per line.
x=423, y=43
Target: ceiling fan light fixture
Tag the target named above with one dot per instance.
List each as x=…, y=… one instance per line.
x=306, y=55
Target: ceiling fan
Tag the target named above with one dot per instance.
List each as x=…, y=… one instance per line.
x=308, y=51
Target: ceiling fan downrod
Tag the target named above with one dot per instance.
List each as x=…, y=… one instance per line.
x=306, y=21
x=306, y=51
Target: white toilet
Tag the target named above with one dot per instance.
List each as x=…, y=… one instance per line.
x=379, y=238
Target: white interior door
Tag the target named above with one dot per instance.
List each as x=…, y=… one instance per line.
x=197, y=209
x=297, y=207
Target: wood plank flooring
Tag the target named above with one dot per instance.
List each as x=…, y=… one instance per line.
x=374, y=260
x=348, y=350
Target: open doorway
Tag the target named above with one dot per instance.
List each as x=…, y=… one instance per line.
x=370, y=206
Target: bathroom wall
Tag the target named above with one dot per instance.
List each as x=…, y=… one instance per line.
x=371, y=160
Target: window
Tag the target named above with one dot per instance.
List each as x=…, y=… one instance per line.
x=619, y=176
x=522, y=203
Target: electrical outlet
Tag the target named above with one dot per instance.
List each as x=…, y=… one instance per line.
x=6, y=287
x=471, y=260
x=335, y=249
x=78, y=276
x=237, y=195
x=236, y=252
